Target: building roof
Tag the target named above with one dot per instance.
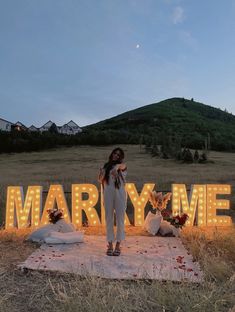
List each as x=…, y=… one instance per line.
x=48, y=122
x=6, y=121
x=32, y=126
x=18, y=123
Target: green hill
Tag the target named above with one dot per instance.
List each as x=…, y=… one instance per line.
x=188, y=121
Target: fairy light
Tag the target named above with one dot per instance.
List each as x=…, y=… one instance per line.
x=27, y=211
x=87, y=205
x=139, y=201
x=213, y=204
x=56, y=197
x=197, y=199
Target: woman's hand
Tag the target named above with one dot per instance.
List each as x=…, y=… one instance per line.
x=121, y=167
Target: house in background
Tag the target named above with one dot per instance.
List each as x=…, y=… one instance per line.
x=46, y=126
x=19, y=126
x=5, y=125
x=33, y=129
x=70, y=128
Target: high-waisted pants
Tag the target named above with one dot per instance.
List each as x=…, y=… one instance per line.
x=115, y=200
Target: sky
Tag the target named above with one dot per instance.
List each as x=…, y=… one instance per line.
x=88, y=60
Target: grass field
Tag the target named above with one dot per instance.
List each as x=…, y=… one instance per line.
x=214, y=248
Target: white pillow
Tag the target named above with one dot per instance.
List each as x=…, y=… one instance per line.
x=40, y=234
x=166, y=228
x=152, y=222
x=65, y=238
x=63, y=226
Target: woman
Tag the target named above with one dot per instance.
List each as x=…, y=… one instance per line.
x=112, y=176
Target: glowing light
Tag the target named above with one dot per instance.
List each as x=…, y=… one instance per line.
x=15, y=201
x=213, y=203
x=55, y=196
x=86, y=205
x=181, y=204
x=201, y=205
x=139, y=201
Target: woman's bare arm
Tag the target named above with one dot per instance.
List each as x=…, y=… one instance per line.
x=101, y=175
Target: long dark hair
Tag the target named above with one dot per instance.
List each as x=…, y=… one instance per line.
x=111, y=163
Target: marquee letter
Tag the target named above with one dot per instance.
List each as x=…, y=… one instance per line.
x=55, y=196
x=213, y=204
x=79, y=204
x=139, y=201
x=15, y=201
x=197, y=198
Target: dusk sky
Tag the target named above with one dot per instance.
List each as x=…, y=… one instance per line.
x=88, y=60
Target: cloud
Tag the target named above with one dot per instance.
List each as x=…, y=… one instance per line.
x=178, y=15
x=187, y=38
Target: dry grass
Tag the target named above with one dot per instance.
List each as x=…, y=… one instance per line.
x=37, y=291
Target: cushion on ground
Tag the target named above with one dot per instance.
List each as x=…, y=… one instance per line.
x=165, y=228
x=65, y=238
x=41, y=233
x=152, y=222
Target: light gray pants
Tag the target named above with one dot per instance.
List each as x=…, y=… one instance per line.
x=115, y=199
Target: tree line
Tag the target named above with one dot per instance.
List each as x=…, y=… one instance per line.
x=172, y=146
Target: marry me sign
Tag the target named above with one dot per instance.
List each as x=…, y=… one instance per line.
x=201, y=204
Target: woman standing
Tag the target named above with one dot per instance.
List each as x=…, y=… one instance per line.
x=112, y=176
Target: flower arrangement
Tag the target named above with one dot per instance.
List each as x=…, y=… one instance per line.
x=177, y=221
x=54, y=215
x=159, y=201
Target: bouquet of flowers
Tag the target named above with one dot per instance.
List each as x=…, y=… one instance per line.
x=159, y=201
x=177, y=221
x=54, y=215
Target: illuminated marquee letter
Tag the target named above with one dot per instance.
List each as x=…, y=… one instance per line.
x=213, y=204
x=79, y=204
x=15, y=201
x=55, y=196
x=139, y=201
x=197, y=198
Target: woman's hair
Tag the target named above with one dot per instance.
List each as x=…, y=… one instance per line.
x=122, y=155
x=109, y=165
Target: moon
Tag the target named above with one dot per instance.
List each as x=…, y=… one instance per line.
x=137, y=46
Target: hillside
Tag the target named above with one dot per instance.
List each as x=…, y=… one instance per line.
x=189, y=121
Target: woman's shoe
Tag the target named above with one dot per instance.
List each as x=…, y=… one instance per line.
x=109, y=251
x=117, y=250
